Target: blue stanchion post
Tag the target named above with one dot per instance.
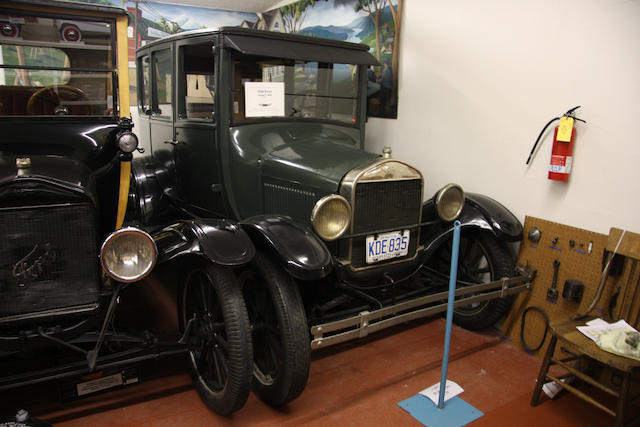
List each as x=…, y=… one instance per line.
x=452, y=288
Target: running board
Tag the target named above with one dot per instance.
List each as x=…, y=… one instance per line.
x=367, y=322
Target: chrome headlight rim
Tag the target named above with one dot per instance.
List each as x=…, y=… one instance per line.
x=111, y=238
x=127, y=142
x=317, y=210
x=445, y=212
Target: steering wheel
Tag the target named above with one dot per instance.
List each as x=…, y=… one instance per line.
x=48, y=100
x=305, y=110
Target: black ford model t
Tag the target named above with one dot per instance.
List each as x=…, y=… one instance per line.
x=254, y=186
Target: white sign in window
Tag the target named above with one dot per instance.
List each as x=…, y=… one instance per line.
x=264, y=99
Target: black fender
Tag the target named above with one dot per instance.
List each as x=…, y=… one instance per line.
x=148, y=200
x=220, y=241
x=302, y=253
x=479, y=213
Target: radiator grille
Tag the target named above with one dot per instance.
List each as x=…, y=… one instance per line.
x=385, y=205
x=49, y=258
x=295, y=202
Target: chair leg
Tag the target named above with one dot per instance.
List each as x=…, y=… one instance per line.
x=622, y=400
x=543, y=371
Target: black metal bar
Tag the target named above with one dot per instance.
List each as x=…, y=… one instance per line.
x=80, y=367
x=38, y=68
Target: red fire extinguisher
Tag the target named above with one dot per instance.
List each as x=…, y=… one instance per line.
x=562, y=151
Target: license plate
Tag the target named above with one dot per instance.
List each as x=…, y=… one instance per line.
x=387, y=245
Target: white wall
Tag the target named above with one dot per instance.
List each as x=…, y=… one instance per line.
x=479, y=80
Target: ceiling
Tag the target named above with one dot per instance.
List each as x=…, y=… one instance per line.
x=238, y=5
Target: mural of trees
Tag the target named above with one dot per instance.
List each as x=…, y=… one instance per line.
x=396, y=13
x=169, y=27
x=293, y=15
x=374, y=8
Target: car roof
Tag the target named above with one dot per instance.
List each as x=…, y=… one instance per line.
x=262, y=34
x=66, y=5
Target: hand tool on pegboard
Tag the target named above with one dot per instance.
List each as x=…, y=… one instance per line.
x=552, y=292
x=603, y=280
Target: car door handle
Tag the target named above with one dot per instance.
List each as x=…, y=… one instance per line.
x=173, y=142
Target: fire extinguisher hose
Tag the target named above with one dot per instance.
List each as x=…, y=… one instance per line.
x=569, y=113
x=540, y=136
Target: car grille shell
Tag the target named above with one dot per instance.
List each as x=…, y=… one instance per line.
x=50, y=258
x=386, y=196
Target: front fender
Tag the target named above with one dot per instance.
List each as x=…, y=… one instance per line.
x=479, y=213
x=303, y=254
x=220, y=241
x=488, y=214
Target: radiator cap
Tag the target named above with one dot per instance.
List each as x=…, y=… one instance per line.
x=24, y=165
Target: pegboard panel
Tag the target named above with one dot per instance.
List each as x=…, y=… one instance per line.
x=580, y=253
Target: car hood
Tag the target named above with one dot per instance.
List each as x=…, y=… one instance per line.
x=285, y=168
x=316, y=162
x=46, y=172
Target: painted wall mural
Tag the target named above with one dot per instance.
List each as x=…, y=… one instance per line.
x=373, y=22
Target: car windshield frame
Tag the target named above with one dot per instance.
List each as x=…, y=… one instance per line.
x=31, y=86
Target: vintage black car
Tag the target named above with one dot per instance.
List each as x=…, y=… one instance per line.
x=255, y=172
x=66, y=146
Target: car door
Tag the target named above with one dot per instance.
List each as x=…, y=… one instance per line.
x=197, y=151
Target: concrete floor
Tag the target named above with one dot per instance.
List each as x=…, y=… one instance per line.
x=357, y=384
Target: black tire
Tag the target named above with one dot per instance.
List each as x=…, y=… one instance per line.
x=482, y=258
x=281, y=346
x=220, y=351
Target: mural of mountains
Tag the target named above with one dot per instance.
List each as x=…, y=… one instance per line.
x=356, y=31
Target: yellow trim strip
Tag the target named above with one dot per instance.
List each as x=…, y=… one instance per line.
x=125, y=179
x=122, y=23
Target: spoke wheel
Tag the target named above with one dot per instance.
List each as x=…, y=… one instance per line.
x=219, y=337
x=281, y=347
x=481, y=259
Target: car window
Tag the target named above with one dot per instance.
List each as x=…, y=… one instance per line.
x=197, y=70
x=163, y=77
x=273, y=87
x=52, y=66
x=144, y=67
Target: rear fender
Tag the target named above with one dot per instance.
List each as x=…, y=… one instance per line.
x=219, y=241
x=301, y=252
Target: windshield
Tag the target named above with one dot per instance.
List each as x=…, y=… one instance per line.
x=56, y=66
x=274, y=87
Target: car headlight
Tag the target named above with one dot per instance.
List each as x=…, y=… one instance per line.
x=128, y=254
x=127, y=141
x=449, y=202
x=331, y=217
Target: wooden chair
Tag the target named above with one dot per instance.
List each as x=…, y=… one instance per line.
x=579, y=347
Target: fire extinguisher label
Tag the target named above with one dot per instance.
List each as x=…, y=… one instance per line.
x=565, y=129
x=560, y=164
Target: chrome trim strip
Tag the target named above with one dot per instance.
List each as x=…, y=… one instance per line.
x=367, y=322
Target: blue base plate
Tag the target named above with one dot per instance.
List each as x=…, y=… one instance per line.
x=456, y=412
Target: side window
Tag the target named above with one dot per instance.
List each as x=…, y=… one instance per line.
x=145, y=87
x=163, y=75
x=198, y=76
